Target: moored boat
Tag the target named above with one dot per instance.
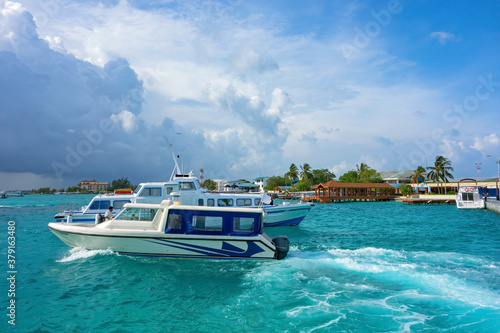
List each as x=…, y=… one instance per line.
x=98, y=205
x=468, y=195
x=186, y=189
x=178, y=231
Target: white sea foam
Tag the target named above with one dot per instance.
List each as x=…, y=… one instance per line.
x=368, y=251
x=453, y=275
x=81, y=253
x=331, y=322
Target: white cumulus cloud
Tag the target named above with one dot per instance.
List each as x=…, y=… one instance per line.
x=486, y=144
x=444, y=37
x=126, y=120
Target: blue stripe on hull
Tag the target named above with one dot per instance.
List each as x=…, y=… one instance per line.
x=274, y=211
x=226, y=251
x=65, y=220
x=290, y=222
x=287, y=222
x=173, y=256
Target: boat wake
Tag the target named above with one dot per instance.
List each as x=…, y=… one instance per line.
x=462, y=277
x=404, y=289
x=78, y=253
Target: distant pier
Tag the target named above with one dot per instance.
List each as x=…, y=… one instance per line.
x=334, y=191
x=414, y=201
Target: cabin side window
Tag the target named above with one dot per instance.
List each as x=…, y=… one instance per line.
x=243, y=224
x=174, y=221
x=169, y=189
x=100, y=204
x=257, y=202
x=118, y=204
x=200, y=202
x=207, y=223
x=210, y=202
x=186, y=186
x=224, y=202
x=243, y=202
x=151, y=192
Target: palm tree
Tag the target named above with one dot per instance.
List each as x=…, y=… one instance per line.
x=363, y=168
x=293, y=173
x=305, y=171
x=434, y=173
x=445, y=170
x=440, y=170
x=418, y=173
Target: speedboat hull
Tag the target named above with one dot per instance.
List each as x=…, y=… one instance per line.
x=202, y=232
x=173, y=247
x=286, y=215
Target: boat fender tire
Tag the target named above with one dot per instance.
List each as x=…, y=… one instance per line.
x=282, y=244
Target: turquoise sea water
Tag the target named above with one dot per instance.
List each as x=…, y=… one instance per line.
x=352, y=267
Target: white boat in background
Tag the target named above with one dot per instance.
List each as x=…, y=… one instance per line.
x=178, y=231
x=468, y=195
x=13, y=194
x=186, y=189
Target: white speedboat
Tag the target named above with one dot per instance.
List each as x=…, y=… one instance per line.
x=13, y=194
x=186, y=189
x=468, y=195
x=98, y=205
x=178, y=231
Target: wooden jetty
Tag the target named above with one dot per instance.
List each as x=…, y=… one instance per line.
x=334, y=191
x=428, y=201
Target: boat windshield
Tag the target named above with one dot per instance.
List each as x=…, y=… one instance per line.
x=137, y=214
x=187, y=186
x=138, y=189
x=468, y=196
x=99, y=204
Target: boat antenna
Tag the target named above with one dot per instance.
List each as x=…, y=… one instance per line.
x=176, y=169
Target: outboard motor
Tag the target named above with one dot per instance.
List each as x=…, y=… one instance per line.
x=282, y=244
x=99, y=218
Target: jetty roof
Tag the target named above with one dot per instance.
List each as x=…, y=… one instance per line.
x=396, y=174
x=336, y=184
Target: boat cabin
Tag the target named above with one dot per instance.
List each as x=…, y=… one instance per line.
x=193, y=220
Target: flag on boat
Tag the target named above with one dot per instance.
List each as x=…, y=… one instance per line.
x=266, y=199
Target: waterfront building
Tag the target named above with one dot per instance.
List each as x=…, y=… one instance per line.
x=452, y=185
x=93, y=185
x=261, y=182
x=397, y=176
x=240, y=186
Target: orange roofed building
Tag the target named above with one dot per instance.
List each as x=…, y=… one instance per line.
x=93, y=185
x=333, y=190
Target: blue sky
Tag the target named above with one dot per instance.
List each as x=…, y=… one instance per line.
x=92, y=89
